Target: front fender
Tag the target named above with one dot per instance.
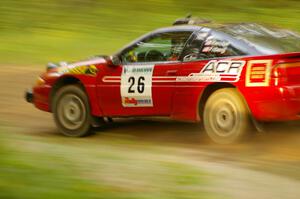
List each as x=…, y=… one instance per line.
x=88, y=82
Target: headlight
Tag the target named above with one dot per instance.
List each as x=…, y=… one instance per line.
x=39, y=81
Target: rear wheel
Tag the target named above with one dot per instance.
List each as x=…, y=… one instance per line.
x=226, y=117
x=71, y=111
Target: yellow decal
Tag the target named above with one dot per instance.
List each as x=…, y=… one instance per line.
x=82, y=70
x=258, y=73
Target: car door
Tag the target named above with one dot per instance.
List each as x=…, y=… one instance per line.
x=144, y=83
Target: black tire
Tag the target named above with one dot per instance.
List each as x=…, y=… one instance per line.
x=71, y=111
x=226, y=116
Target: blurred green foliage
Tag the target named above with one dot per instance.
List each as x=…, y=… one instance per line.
x=35, y=32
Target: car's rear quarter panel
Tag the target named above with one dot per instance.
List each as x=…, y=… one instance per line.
x=267, y=101
x=273, y=100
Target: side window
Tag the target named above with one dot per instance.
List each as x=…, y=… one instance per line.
x=160, y=47
x=207, y=46
x=193, y=48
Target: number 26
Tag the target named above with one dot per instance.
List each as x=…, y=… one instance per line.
x=140, y=84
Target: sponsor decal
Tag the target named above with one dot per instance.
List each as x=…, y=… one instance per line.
x=80, y=70
x=136, y=85
x=129, y=101
x=217, y=71
x=213, y=45
x=133, y=102
x=258, y=73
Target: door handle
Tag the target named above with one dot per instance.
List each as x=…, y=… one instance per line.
x=171, y=72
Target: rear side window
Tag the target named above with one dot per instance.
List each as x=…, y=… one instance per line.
x=211, y=45
x=193, y=48
x=266, y=39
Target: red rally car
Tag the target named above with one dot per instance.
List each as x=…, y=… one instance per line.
x=229, y=77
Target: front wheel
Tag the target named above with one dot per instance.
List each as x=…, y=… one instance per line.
x=71, y=111
x=226, y=116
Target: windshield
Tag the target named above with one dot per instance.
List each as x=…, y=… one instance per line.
x=266, y=40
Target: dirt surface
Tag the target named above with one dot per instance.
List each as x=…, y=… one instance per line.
x=267, y=166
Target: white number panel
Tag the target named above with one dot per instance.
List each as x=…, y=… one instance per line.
x=136, y=85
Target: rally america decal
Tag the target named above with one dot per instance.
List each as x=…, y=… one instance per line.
x=216, y=71
x=136, y=85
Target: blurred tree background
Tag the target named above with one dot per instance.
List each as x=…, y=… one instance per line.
x=33, y=32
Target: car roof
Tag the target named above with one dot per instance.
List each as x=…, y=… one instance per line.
x=236, y=32
x=178, y=28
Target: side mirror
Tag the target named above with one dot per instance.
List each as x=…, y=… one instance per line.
x=113, y=61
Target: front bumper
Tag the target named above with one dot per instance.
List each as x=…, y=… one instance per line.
x=29, y=96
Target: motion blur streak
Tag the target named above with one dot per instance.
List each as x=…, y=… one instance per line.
x=39, y=31
x=133, y=158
